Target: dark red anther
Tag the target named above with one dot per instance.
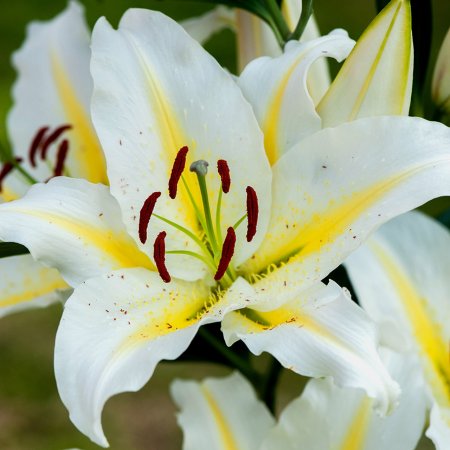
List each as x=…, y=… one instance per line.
x=61, y=156
x=227, y=253
x=52, y=138
x=146, y=214
x=252, y=213
x=35, y=144
x=6, y=170
x=177, y=171
x=159, y=255
x=224, y=172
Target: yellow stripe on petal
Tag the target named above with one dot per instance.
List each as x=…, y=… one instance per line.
x=168, y=311
x=324, y=228
x=365, y=87
x=117, y=247
x=170, y=132
x=271, y=125
x=227, y=438
x=8, y=195
x=44, y=282
x=87, y=154
x=427, y=332
x=354, y=438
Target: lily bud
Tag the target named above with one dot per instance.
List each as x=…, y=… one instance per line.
x=376, y=78
x=440, y=88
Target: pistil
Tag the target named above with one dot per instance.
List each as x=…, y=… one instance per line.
x=200, y=168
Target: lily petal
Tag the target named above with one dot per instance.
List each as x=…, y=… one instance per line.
x=221, y=413
x=285, y=110
x=114, y=331
x=157, y=90
x=71, y=225
x=328, y=417
x=439, y=430
x=376, y=79
x=24, y=284
x=321, y=333
x=205, y=26
x=54, y=88
x=254, y=39
x=408, y=260
x=318, y=76
x=336, y=187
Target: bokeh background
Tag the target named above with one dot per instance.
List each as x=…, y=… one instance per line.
x=31, y=414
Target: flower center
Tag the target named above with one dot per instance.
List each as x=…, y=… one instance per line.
x=214, y=251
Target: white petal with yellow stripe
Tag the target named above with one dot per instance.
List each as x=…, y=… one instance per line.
x=25, y=284
x=336, y=187
x=401, y=279
x=114, y=331
x=321, y=333
x=376, y=78
x=72, y=225
x=221, y=413
x=284, y=109
x=148, y=103
x=54, y=88
x=332, y=418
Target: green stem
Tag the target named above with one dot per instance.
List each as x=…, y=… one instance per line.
x=307, y=10
x=193, y=254
x=218, y=214
x=185, y=231
x=236, y=225
x=236, y=361
x=269, y=384
x=277, y=22
x=20, y=169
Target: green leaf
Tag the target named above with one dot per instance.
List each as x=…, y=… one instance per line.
x=12, y=249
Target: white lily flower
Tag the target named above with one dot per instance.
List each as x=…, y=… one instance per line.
x=401, y=277
x=440, y=87
x=51, y=133
x=255, y=38
x=160, y=266
x=224, y=413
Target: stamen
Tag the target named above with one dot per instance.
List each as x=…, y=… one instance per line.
x=6, y=170
x=35, y=143
x=61, y=158
x=252, y=213
x=146, y=214
x=224, y=172
x=52, y=138
x=227, y=253
x=177, y=170
x=159, y=255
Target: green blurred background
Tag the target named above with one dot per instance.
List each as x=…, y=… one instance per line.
x=31, y=415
